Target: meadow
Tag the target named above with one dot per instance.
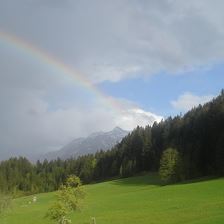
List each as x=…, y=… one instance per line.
x=135, y=200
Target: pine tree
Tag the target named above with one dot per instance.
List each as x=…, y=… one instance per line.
x=171, y=166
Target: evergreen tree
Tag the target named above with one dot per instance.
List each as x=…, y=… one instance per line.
x=171, y=166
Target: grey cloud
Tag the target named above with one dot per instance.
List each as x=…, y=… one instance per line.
x=117, y=36
x=29, y=127
x=188, y=100
x=41, y=111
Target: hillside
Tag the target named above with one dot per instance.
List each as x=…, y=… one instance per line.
x=136, y=200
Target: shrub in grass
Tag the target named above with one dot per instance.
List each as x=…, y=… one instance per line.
x=69, y=197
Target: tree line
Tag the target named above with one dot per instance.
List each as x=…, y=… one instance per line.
x=197, y=136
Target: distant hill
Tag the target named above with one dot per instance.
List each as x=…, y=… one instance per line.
x=90, y=144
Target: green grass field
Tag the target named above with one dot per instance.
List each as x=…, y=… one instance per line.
x=136, y=200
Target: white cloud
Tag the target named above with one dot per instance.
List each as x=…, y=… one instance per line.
x=132, y=117
x=188, y=100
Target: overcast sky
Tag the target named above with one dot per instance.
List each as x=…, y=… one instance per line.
x=152, y=58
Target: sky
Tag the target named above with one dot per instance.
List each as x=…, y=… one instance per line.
x=70, y=68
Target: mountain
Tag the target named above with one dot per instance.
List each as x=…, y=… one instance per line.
x=90, y=144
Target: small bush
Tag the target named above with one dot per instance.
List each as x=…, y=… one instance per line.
x=68, y=200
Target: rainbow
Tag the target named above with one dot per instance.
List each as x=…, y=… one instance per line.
x=38, y=54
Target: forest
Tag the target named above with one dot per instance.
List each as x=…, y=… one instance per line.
x=198, y=136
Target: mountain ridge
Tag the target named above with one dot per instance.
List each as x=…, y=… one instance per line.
x=91, y=144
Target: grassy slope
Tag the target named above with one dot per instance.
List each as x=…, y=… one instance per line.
x=137, y=200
